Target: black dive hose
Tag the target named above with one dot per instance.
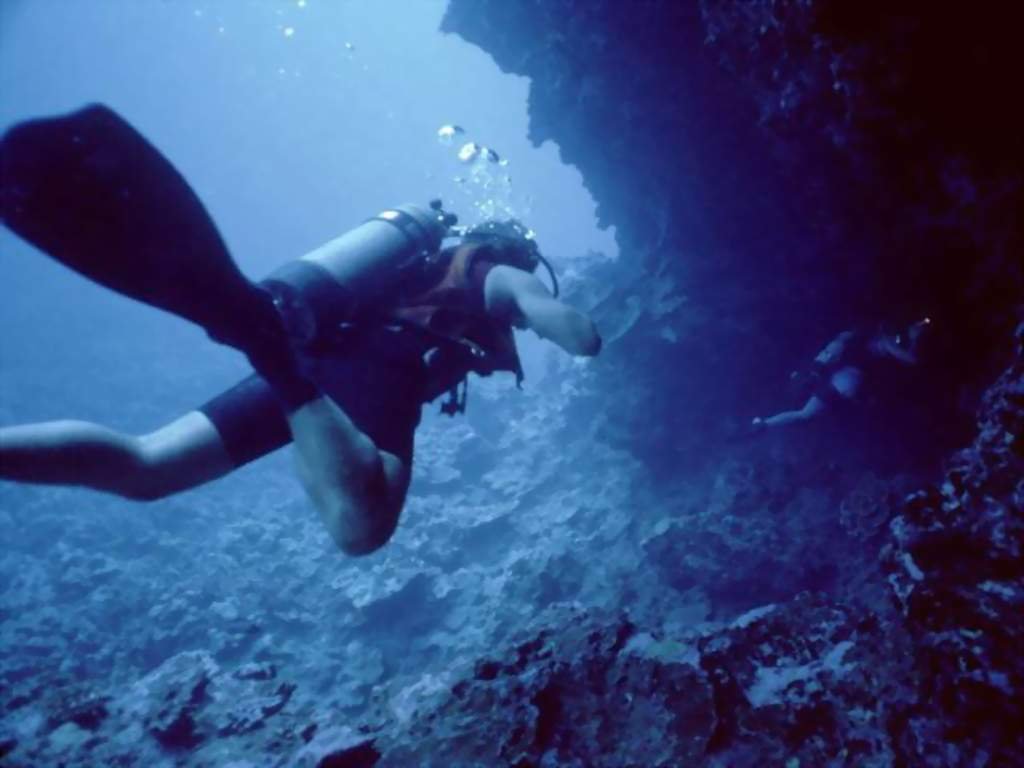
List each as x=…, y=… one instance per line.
x=554, y=280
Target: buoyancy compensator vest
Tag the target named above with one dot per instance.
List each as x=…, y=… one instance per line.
x=393, y=268
x=452, y=317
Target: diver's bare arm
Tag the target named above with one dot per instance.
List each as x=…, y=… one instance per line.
x=895, y=352
x=833, y=351
x=514, y=293
x=812, y=408
x=181, y=455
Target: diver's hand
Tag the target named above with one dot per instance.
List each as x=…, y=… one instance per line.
x=740, y=433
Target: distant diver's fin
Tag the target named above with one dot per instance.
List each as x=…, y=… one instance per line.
x=90, y=191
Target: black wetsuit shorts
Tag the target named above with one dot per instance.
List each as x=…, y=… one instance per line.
x=377, y=378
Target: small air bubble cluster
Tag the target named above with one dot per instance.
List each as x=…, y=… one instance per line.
x=483, y=176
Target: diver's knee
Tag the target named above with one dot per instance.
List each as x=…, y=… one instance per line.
x=365, y=541
x=145, y=477
x=144, y=491
x=358, y=533
x=144, y=483
x=360, y=546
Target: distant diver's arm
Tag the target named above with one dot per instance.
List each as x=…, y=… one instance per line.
x=886, y=348
x=516, y=295
x=834, y=349
x=812, y=408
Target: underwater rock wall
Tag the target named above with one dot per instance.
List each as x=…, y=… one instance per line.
x=956, y=568
x=674, y=164
x=777, y=171
x=899, y=113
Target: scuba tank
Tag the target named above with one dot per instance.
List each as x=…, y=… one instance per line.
x=383, y=259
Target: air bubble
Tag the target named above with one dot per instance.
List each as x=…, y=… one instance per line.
x=447, y=133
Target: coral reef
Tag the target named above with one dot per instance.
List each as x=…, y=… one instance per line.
x=955, y=564
x=801, y=683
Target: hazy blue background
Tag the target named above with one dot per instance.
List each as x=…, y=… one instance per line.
x=293, y=121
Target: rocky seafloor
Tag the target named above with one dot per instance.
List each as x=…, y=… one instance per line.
x=594, y=572
x=570, y=651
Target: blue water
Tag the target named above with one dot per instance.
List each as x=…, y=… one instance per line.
x=293, y=121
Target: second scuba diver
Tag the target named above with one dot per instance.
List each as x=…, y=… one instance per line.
x=347, y=343
x=838, y=373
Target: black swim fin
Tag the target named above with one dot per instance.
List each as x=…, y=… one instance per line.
x=90, y=191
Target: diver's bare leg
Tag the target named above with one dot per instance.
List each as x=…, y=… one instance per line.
x=357, y=489
x=181, y=455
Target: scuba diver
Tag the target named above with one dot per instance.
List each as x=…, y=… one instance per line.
x=347, y=343
x=837, y=375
